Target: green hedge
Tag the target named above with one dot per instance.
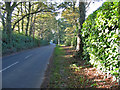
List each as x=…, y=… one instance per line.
x=100, y=37
x=19, y=42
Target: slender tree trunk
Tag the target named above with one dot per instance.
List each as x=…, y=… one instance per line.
x=31, y=26
x=18, y=23
x=58, y=35
x=18, y=27
x=72, y=44
x=58, y=40
x=22, y=23
x=27, y=26
x=28, y=18
x=3, y=22
x=34, y=26
x=31, y=23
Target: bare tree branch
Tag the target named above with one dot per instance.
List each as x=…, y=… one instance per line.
x=88, y=4
x=15, y=4
x=3, y=8
x=42, y=10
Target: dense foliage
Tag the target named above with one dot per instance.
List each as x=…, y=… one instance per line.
x=100, y=38
x=71, y=15
x=20, y=42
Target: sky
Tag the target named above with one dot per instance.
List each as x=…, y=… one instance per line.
x=93, y=6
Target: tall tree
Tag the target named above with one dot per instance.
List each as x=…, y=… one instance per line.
x=28, y=17
x=31, y=23
x=2, y=16
x=83, y=5
x=18, y=18
x=82, y=10
x=34, y=26
x=9, y=9
x=22, y=23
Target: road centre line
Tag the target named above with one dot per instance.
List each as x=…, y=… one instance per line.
x=28, y=56
x=8, y=67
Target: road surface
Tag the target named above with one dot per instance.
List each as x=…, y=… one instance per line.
x=26, y=69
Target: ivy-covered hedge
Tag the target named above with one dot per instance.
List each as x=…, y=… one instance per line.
x=19, y=42
x=100, y=37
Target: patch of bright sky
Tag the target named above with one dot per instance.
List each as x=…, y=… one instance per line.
x=58, y=2
x=53, y=1
x=93, y=6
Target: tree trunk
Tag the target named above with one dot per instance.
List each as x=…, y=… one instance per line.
x=28, y=18
x=8, y=24
x=58, y=40
x=9, y=10
x=18, y=23
x=78, y=42
x=72, y=44
x=18, y=27
x=31, y=23
x=22, y=23
x=3, y=22
x=27, y=26
x=79, y=47
x=34, y=26
x=31, y=26
x=58, y=35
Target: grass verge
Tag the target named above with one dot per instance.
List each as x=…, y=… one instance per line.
x=57, y=69
x=67, y=72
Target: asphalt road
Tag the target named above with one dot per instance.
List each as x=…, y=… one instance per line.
x=26, y=69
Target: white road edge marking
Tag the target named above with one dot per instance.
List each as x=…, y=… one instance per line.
x=8, y=66
x=28, y=56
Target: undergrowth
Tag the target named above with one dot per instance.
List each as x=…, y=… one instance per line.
x=19, y=42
